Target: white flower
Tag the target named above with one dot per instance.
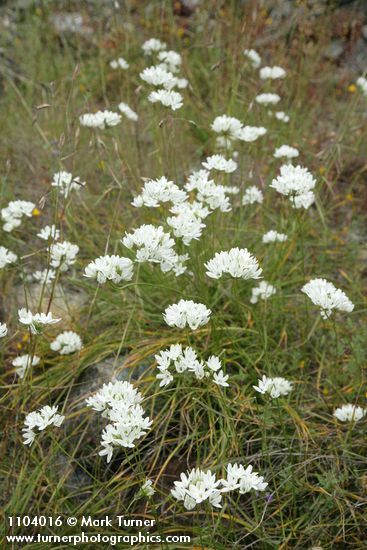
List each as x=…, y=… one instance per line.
x=6, y=257
x=196, y=487
x=67, y=342
x=237, y=262
x=45, y=277
x=267, y=99
x=153, y=45
x=119, y=63
x=286, y=151
x=13, y=213
x=168, y=98
x=41, y=419
x=275, y=387
x=208, y=192
x=304, y=200
x=293, y=181
x=127, y=111
x=156, y=246
x=172, y=60
x=187, y=312
x=254, y=57
x=281, y=115
x=186, y=360
x=252, y=195
x=242, y=479
x=161, y=190
x=273, y=236
x=63, y=255
x=250, y=133
x=147, y=489
x=23, y=362
x=227, y=125
x=325, y=295
x=49, y=232
x=220, y=379
x=349, y=413
x=362, y=83
x=66, y=183
x=100, y=119
x=3, y=330
x=110, y=268
x=36, y=321
x=119, y=403
x=186, y=226
x=157, y=76
x=263, y=291
x=272, y=73
x=218, y=162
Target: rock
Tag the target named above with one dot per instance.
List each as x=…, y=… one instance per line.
x=67, y=303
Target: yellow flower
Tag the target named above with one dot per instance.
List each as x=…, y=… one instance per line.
x=352, y=88
x=36, y=212
x=322, y=170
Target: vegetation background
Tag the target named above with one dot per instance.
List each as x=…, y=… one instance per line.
x=50, y=75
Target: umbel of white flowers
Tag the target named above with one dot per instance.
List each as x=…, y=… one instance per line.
x=198, y=486
x=325, y=295
x=119, y=402
x=40, y=420
x=176, y=359
x=237, y=262
x=187, y=312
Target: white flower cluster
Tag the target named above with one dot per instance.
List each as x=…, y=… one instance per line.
x=220, y=163
x=153, y=45
x=185, y=360
x=127, y=111
x=46, y=276
x=168, y=98
x=6, y=257
x=362, y=84
x=119, y=63
x=3, y=330
x=156, y=246
x=110, y=268
x=198, y=486
x=272, y=73
x=157, y=191
x=273, y=237
x=349, y=413
x=286, y=151
x=254, y=57
x=281, y=115
x=237, y=262
x=49, y=232
x=36, y=321
x=66, y=183
x=23, y=362
x=252, y=195
x=12, y=215
x=100, y=119
x=267, y=99
x=208, y=192
x=325, y=295
x=297, y=183
x=63, y=255
x=275, y=387
x=187, y=312
x=67, y=342
x=164, y=75
x=262, y=292
x=119, y=402
x=40, y=420
x=231, y=129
